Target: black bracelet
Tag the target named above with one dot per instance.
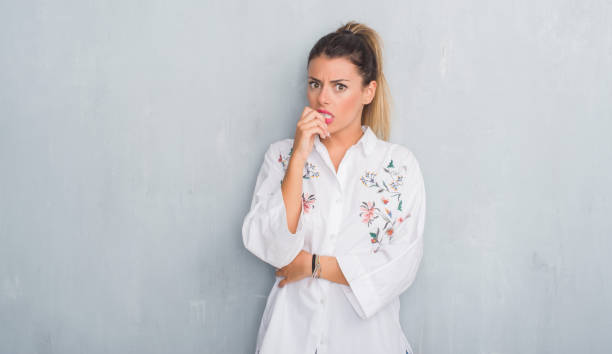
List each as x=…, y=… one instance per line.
x=313, y=262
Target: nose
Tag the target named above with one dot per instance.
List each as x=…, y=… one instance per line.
x=323, y=96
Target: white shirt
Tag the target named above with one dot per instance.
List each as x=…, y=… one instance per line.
x=370, y=215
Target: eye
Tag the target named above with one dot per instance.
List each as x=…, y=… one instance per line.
x=313, y=82
x=341, y=87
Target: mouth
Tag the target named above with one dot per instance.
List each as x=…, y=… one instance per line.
x=327, y=115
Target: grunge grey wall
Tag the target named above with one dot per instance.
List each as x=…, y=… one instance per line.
x=131, y=133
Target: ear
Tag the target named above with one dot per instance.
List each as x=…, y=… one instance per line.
x=369, y=92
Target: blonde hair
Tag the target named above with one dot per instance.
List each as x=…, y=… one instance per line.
x=363, y=47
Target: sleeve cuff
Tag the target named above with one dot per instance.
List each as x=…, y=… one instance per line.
x=288, y=244
x=360, y=291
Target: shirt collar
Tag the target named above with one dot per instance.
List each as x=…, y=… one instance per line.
x=367, y=141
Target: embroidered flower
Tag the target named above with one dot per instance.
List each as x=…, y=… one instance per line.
x=374, y=236
x=284, y=161
x=368, y=179
x=308, y=202
x=367, y=212
x=402, y=219
x=389, y=188
x=310, y=170
x=396, y=183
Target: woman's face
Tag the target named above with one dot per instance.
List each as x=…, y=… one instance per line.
x=334, y=85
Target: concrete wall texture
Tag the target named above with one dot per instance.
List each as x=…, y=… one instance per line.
x=131, y=133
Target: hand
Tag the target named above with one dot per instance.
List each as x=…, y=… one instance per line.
x=299, y=268
x=310, y=123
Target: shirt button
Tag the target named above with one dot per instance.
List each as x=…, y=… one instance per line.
x=338, y=200
x=322, y=301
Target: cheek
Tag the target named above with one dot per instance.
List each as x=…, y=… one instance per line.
x=311, y=97
x=350, y=105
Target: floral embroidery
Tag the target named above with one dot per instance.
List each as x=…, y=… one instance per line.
x=369, y=180
x=310, y=170
x=369, y=212
x=284, y=161
x=308, y=202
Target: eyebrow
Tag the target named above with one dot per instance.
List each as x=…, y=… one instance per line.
x=338, y=80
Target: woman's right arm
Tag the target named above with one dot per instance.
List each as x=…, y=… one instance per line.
x=272, y=229
x=292, y=191
x=265, y=230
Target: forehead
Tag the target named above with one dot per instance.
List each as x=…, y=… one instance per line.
x=325, y=68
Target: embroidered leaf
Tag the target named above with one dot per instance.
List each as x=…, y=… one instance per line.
x=399, y=206
x=390, y=164
x=384, y=184
x=373, y=235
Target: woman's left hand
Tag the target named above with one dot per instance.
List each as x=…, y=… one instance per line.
x=299, y=268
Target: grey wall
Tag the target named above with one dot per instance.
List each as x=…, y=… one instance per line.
x=131, y=133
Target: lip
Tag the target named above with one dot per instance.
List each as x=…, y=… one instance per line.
x=327, y=120
x=324, y=111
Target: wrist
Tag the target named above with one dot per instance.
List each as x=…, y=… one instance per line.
x=312, y=263
x=316, y=272
x=308, y=265
x=297, y=160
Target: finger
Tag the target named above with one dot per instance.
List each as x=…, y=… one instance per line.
x=319, y=124
x=318, y=130
x=306, y=112
x=310, y=115
x=315, y=116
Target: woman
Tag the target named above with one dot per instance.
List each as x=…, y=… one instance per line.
x=339, y=211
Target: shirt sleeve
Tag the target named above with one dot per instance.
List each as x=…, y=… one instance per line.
x=376, y=278
x=265, y=231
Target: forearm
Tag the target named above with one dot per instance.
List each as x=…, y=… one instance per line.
x=292, y=192
x=331, y=271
